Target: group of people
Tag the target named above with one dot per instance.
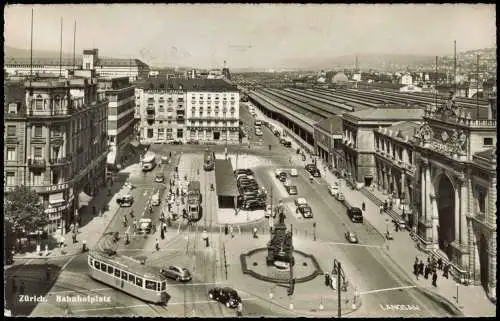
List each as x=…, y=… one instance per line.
x=419, y=268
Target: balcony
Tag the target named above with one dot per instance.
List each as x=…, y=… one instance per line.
x=38, y=140
x=150, y=116
x=59, y=161
x=11, y=139
x=34, y=163
x=150, y=109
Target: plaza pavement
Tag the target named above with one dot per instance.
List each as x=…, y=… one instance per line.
x=472, y=299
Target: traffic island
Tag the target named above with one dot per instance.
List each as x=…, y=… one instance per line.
x=305, y=267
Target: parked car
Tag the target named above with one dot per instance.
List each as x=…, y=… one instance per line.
x=300, y=201
x=288, y=144
x=340, y=197
x=176, y=273
x=159, y=178
x=291, y=189
x=245, y=171
x=227, y=296
x=310, y=167
x=351, y=237
x=252, y=205
x=305, y=210
x=282, y=177
x=315, y=173
x=145, y=225
x=125, y=200
x=333, y=189
x=282, y=141
x=155, y=199
x=294, y=172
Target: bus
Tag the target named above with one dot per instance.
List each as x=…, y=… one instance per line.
x=208, y=160
x=148, y=161
x=129, y=275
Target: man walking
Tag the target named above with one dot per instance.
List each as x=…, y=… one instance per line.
x=415, y=268
x=440, y=263
x=421, y=267
x=434, y=279
x=427, y=271
x=446, y=269
x=231, y=231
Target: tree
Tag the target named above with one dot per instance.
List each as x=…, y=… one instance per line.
x=23, y=210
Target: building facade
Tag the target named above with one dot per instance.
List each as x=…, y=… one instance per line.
x=121, y=122
x=358, y=139
x=203, y=110
x=395, y=165
x=56, y=143
x=456, y=172
x=327, y=140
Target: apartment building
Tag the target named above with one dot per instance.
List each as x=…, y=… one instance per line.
x=121, y=122
x=203, y=110
x=56, y=143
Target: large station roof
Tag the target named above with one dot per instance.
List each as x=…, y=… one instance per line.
x=224, y=178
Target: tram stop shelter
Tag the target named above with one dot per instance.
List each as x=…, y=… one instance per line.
x=227, y=191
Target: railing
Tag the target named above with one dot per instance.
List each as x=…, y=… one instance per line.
x=49, y=113
x=36, y=163
x=150, y=116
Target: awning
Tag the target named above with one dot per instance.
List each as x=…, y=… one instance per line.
x=111, y=158
x=83, y=199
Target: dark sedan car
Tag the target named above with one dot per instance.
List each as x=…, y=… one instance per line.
x=305, y=211
x=227, y=296
x=287, y=143
x=310, y=167
x=246, y=171
x=282, y=176
x=252, y=205
x=315, y=173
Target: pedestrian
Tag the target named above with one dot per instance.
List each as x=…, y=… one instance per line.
x=396, y=226
x=226, y=230
x=135, y=224
x=386, y=205
x=381, y=209
x=157, y=245
x=415, y=269
x=162, y=235
x=74, y=238
x=84, y=246
x=428, y=260
x=434, y=279
x=164, y=228
x=327, y=279
x=231, y=231
x=363, y=206
x=255, y=232
x=205, y=238
x=427, y=271
x=421, y=267
x=440, y=263
x=446, y=269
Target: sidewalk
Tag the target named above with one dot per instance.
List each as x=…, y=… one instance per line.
x=90, y=232
x=402, y=250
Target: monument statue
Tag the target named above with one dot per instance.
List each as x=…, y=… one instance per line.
x=280, y=247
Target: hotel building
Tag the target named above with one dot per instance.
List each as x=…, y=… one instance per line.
x=55, y=142
x=203, y=110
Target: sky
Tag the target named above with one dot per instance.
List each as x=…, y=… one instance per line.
x=251, y=36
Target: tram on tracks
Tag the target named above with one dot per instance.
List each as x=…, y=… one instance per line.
x=129, y=275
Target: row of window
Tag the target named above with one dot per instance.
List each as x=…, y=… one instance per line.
x=128, y=277
x=10, y=179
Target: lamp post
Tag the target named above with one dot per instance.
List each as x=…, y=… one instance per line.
x=457, y=285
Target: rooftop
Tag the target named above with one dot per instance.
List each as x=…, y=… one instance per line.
x=103, y=62
x=331, y=125
x=386, y=114
x=224, y=178
x=404, y=129
x=214, y=85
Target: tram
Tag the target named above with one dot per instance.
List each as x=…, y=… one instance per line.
x=129, y=275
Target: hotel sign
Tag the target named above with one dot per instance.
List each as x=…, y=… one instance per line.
x=57, y=188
